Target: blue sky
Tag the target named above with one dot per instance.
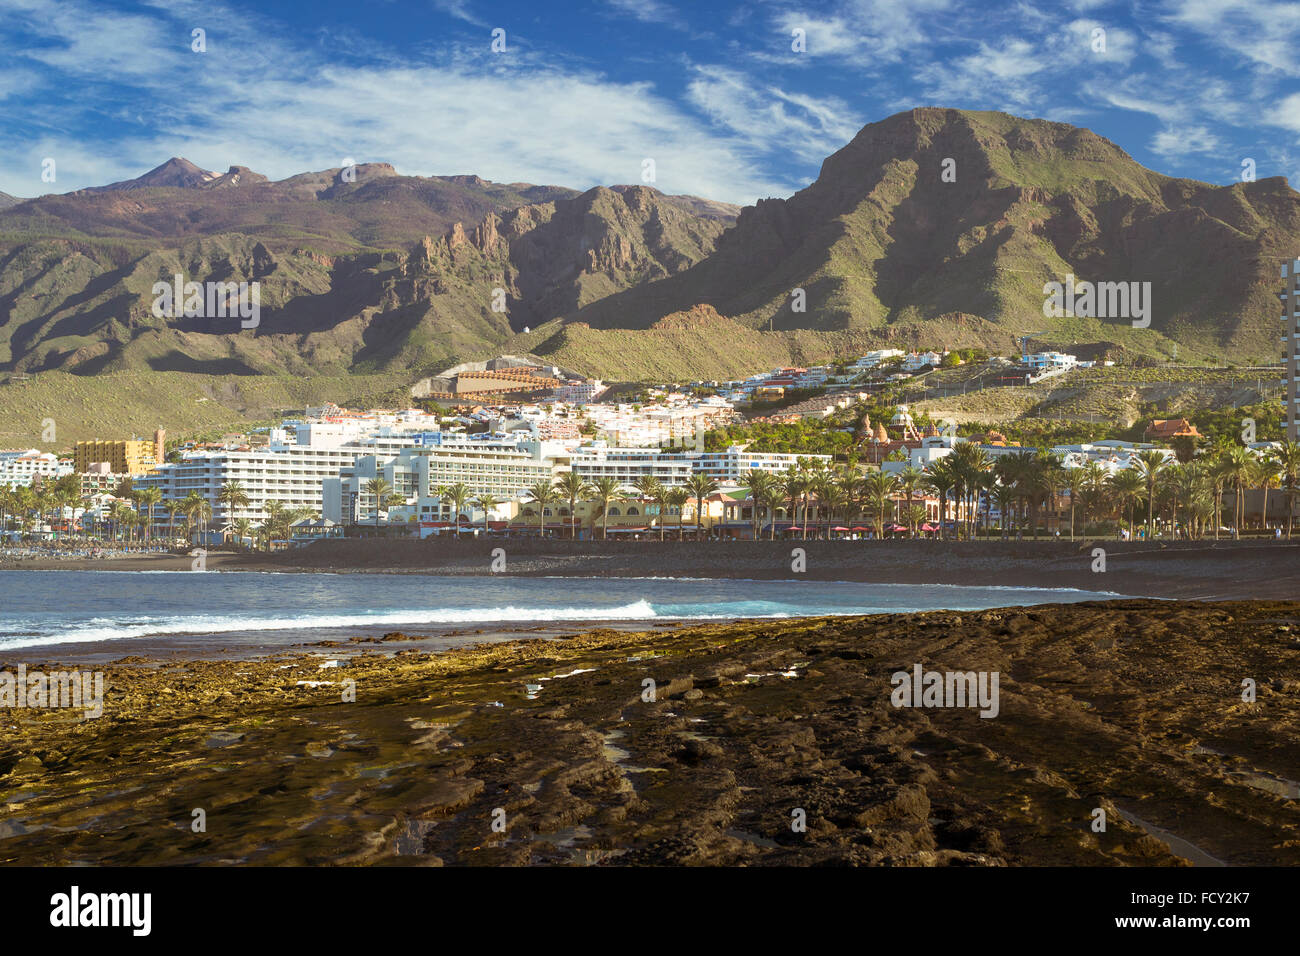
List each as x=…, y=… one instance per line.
x=587, y=90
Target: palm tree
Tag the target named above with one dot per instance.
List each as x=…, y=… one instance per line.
x=574, y=487
x=197, y=511
x=851, y=485
x=1265, y=473
x=606, y=490
x=66, y=491
x=700, y=486
x=1017, y=472
x=1076, y=480
x=811, y=480
x=970, y=463
x=280, y=520
x=1005, y=496
x=908, y=479
x=1150, y=463
x=1093, y=492
x=793, y=483
x=651, y=489
x=487, y=501
x=880, y=486
x=1045, y=473
x=833, y=499
x=381, y=491
x=459, y=495
x=676, y=498
x=758, y=481
x=1237, y=463
x=941, y=477
x=233, y=496
x=243, y=529
x=1288, y=457
x=660, y=498
x=543, y=493
x=772, y=494
x=173, y=507
x=1126, y=486
x=915, y=515
x=146, y=499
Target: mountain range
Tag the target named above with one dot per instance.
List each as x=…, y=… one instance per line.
x=933, y=227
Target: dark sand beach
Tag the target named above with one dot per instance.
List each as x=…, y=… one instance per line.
x=1193, y=570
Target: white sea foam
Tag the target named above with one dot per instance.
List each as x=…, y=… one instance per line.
x=107, y=629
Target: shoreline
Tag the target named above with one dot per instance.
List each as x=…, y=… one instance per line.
x=1186, y=570
x=1131, y=706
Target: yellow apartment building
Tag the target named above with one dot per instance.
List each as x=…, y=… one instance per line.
x=124, y=456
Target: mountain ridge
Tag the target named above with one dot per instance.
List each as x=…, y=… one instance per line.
x=932, y=227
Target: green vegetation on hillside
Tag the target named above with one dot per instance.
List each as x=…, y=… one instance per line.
x=127, y=404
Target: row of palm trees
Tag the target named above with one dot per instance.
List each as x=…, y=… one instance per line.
x=569, y=487
x=130, y=517
x=606, y=491
x=1155, y=490
x=1187, y=495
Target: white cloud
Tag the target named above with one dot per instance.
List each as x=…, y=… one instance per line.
x=1263, y=32
x=646, y=11
x=1177, y=142
x=459, y=10
x=280, y=110
x=869, y=33
x=768, y=117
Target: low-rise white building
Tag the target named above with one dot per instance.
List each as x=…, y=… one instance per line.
x=18, y=467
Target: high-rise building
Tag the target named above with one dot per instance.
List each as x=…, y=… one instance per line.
x=1291, y=348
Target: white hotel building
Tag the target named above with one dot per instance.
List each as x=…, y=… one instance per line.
x=498, y=465
x=19, y=467
x=505, y=467
x=290, y=470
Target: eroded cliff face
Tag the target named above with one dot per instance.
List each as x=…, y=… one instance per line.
x=430, y=301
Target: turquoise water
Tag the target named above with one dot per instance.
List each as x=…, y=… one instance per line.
x=43, y=609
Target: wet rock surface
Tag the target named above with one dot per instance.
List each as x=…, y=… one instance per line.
x=763, y=743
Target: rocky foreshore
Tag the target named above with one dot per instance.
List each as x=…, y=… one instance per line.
x=772, y=742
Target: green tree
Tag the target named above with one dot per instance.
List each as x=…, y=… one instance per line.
x=700, y=486
x=459, y=495
x=232, y=496
x=880, y=487
x=487, y=501
x=1149, y=464
x=542, y=493
x=676, y=499
x=606, y=490
x=575, y=488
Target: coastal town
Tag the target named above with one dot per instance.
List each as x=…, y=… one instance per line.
x=510, y=447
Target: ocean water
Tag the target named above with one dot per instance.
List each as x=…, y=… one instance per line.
x=50, y=609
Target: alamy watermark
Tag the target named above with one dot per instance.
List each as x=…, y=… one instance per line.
x=36, y=689
x=922, y=688
x=1099, y=300
x=208, y=300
